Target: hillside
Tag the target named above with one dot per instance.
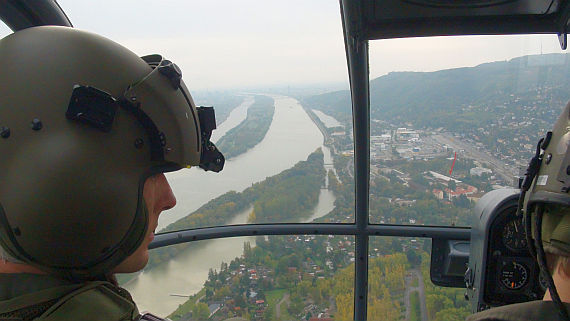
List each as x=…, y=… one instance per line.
x=436, y=99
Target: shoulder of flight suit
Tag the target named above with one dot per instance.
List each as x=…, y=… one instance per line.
x=534, y=310
x=94, y=301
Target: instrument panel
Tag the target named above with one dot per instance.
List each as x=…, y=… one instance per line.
x=512, y=274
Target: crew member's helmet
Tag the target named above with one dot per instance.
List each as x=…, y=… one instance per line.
x=549, y=192
x=546, y=207
x=83, y=123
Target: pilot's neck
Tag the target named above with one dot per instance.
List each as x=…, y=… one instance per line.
x=10, y=267
x=562, y=286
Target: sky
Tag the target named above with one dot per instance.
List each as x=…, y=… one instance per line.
x=225, y=44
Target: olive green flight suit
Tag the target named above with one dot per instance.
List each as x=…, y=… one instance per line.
x=42, y=297
x=534, y=310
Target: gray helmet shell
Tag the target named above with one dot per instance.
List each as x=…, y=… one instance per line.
x=71, y=194
x=551, y=188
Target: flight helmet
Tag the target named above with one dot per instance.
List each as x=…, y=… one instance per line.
x=83, y=123
x=545, y=199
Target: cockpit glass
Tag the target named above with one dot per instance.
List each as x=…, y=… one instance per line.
x=276, y=278
x=455, y=117
x=264, y=66
x=400, y=287
x=4, y=30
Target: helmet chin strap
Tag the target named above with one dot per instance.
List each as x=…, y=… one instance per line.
x=530, y=174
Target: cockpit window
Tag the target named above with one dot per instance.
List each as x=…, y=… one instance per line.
x=276, y=278
x=400, y=286
x=455, y=117
x=264, y=74
x=4, y=30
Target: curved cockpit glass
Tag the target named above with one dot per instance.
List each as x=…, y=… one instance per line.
x=4, y=30
x=451, y=118
x=255, y=69
x=455, y=117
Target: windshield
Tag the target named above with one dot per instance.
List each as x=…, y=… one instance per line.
x=451, y=119
x=458, y=122
x=4, y=30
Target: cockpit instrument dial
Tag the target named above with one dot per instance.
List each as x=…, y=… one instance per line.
x=513, y=235
x=513, y=275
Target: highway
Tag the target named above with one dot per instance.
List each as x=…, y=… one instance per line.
x=470, y=151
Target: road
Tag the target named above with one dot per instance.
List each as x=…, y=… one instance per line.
x=408, y=284
x=470, y=151
x=278, y=305
x=419, y=289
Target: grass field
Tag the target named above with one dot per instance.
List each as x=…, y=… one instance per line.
x=273, y=297
x=415, y=314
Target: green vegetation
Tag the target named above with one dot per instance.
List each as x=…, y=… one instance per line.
x=317, y=273
x=443, y=304
x=273, y=298
x=414, y=281
x=287, y=197
x=313, y=274
x=504, y=106
x=415, y=192
x=251, y=131
x=433, y=98
x=415, y=314
x=291, y=195
x=200, y=312
x=187, y=307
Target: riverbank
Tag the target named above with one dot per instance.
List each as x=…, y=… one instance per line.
x=291, y=137
x=250, y=131
x=289, y=196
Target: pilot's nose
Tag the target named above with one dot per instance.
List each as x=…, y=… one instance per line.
x=166, y=197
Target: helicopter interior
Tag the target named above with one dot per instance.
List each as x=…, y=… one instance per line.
x=489, y=259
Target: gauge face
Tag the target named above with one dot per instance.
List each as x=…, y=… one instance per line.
x=514, y=275
x=513, y=235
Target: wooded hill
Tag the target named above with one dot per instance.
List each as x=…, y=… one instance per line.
x=436, y=99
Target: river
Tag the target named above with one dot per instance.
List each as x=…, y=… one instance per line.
x=236, y=116
x=291, y=137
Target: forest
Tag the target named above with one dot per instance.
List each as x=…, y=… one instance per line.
x=435, y=99
x=504, y=107
x=250, y=131
x=286, y=197
x=313, y=275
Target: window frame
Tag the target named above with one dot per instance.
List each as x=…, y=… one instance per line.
x=357, y=58
x=359, y=26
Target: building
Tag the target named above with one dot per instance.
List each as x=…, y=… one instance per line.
x=478, y=171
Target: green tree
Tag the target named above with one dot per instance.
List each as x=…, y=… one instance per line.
x=452, y=314
x=200, y=312
x=296, y=305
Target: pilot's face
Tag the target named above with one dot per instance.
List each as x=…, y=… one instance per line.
x=158, y=197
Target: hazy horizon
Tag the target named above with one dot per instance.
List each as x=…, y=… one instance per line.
x=224, y=45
